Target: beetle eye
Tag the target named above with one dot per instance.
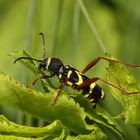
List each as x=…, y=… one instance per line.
x=42, y=66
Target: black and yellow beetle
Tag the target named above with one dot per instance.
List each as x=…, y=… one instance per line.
x=69, y=76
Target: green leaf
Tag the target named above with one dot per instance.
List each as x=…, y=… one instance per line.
x=101, y=118
x=9, y=128
x=96, y=134
x=121, y=77
x=17, y=96
x=54, y=131
x=10, y=137
x=104, y=119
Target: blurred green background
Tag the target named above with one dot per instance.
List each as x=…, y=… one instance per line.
x=69, y=36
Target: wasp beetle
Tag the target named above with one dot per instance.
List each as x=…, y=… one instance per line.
x=69, y=76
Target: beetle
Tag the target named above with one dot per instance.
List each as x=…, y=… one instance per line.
x=69, y=76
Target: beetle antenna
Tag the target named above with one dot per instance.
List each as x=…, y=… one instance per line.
x=43, y=39
x=27, y=58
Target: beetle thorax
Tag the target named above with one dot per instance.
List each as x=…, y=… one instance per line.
x=54, y=65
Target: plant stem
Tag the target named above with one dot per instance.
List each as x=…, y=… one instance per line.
x=91, y=25
x=75, y=29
